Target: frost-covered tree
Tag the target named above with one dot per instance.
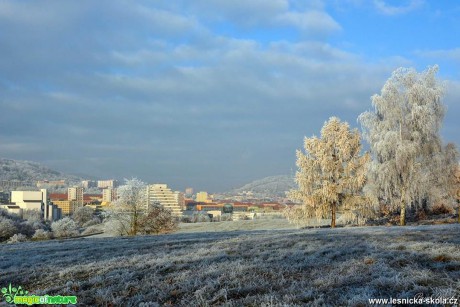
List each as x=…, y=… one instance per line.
x=331, y=173
x=83, y=215
x=129, y=207
x=409, y=163
x=158, y=220
x=65, y=227
x=7, y=228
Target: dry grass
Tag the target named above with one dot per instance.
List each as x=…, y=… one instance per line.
x=254, y=268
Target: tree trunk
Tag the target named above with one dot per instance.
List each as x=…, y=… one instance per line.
x=458, y=210
x=402, y=216
x=134, y=224
x=333, y=215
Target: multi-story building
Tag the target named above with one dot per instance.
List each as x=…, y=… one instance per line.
x=88, y=184
x=10, y=185
x=188, y=192
x=35, y=200
x=48, y=183
x=68, y=207
x=160, y=194
x=75, y=194
x=109, y=195
x=203, y=197
x=111, y=183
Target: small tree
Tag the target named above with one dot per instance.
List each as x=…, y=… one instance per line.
x=65, y=227
x=331, y=172
x=130, y=205
x=83, y=215
x=41, y=234
x=409, y=162
x=7, y=228
x=158, y=220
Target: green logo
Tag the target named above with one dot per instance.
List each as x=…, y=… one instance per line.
x=11, y=292
x=19, y=296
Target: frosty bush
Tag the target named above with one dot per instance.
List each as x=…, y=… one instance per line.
x=117, y=223
x=7, y=228
x=41, y=234
x=16, y=238
x=83, y=215
x=64, y=228
x=92, y=222
x=158, y=220
x=25, y=228
x=32, y=215
x=226, y=217
x=91, y=230
x=199, y=217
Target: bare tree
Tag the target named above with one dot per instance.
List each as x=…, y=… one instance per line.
x=332, y=172
x=130, y=205
x=403, y=132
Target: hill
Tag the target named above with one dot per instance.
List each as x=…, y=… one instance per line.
x=310, y=267
x=273, y=186
x=28, y=171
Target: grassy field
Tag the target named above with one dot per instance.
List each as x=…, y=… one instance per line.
x=288, y=267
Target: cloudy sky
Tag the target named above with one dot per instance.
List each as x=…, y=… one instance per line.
x=209, y=94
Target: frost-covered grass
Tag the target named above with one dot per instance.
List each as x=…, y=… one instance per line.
x=340, y=267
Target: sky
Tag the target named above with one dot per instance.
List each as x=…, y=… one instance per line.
x=205, y=94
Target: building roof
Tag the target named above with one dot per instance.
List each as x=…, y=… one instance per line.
x=58, y=196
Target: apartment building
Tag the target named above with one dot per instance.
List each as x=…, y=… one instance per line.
x=109, y=195
x=160, y=194
x=111, y=183
x=75, y=194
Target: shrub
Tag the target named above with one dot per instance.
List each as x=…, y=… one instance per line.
x=91, y=230
x=94, y=221
x=64, y=228
x=117, y=223
x=158, y=220
x=25, y=228
x=7, y=228
x=226, y=217
x=41, y=234
x=186, y=219
x=32, y=215
x=439, y=209
x=83, y=215
x=16, y=238
x=200, y=218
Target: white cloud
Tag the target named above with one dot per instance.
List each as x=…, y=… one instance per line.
x=387, y=9
x=310, y=21
x=452, y=54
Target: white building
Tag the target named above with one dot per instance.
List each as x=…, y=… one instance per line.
x=162, y=195
x=34, y=200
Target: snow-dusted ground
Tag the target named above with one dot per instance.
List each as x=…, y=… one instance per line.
x=343, y=267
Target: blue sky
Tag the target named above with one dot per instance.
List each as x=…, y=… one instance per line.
x=207, y=94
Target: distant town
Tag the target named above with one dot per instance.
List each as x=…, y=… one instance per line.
x=19, y=196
